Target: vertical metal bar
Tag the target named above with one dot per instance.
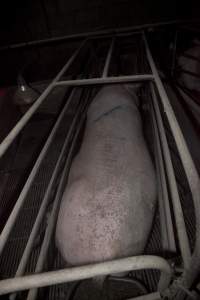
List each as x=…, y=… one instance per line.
x=39, y=218
x=52, y=221
x=14, y=214
x=188, y=165
x=187, y=161
x=168, y=240
x=178, y=213
x=108, y=58
x=163, y=222
x=22, y=122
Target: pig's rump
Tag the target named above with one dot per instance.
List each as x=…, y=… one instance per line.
x=108, y=204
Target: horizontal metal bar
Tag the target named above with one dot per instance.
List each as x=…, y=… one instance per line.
x=108, y=58
x=178, y=212
x=152, y=296
x=188, y=165
x=116, y=35
x=22, y=122
x=14, y=214
x=107, y=80
x=93, y=33
x=89, y=271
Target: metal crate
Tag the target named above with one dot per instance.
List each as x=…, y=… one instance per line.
x=49, y=173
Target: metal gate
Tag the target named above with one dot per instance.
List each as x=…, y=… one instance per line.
x=167, y=185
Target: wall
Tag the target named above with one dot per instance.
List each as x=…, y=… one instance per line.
x=27, y=20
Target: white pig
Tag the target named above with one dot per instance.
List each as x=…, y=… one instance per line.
x=108, y=204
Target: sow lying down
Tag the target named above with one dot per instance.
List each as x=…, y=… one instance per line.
x=108, y=204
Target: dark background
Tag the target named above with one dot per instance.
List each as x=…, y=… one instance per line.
x=27, y=20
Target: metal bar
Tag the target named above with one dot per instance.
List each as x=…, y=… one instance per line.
x=89, y=271
x=39, y=218
x=14, y=214
x=168, y=239
x=108, y=58
x=107, y=80
x=192, y=57
x=152, y=296
x=163, y=226
x=196, y=75
x=22, y=122
x=52, y=221
x=111, y=35
x=178, y=212
x=188, y=165
x=93, y=33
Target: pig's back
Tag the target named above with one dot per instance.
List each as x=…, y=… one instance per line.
x=107, y=208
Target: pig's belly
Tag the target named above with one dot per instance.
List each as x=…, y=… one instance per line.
x=108, y=205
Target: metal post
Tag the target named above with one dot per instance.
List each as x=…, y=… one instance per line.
x=14, y=214
x=22, y=122
x=89, y=271
x=188, y=165
x=108, y=58
x=178, y=212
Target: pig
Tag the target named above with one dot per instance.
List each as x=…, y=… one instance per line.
x=108, y=204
